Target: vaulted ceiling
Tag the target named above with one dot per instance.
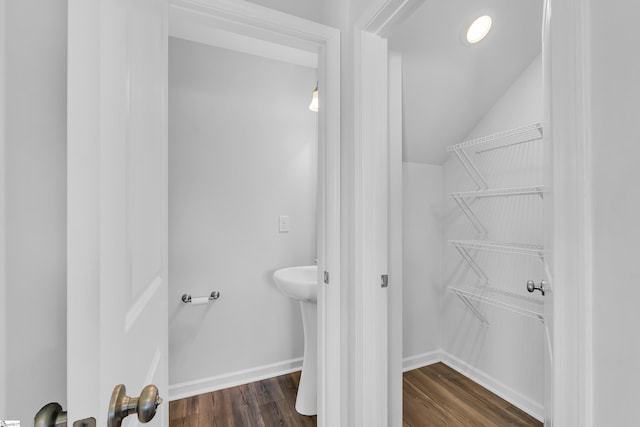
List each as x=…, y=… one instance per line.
x=448, y=84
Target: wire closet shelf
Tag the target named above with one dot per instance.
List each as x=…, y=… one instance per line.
x=502, y=247
x=508, y=138
x=524, y=305
x=527, y=306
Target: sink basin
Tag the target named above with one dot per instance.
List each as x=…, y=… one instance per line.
x=299, y=283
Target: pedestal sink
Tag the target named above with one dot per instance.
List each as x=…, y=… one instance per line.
x=301, y=283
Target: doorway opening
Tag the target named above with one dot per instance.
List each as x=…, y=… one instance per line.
x=240, y=84
x=242, y=156
x=470, y=182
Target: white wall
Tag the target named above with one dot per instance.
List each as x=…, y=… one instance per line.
x=422, y=260
x=520, y=105
x=34, y=168
x=510, y=351
x=242, y=150
x=615, y=148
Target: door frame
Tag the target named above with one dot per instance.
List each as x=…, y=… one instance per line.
x=572, y=382
x=376, y=363
x=370, y=231
x=259, y=30
x=569, y=128
x=3, y=284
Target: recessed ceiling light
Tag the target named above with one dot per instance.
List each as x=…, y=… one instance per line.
x=479, y=29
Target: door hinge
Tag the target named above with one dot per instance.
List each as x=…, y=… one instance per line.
x=326, y=277
x=385, y=280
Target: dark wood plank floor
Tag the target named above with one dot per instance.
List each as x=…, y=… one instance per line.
x=433, y=396
x=267, y=403
x=437, y=395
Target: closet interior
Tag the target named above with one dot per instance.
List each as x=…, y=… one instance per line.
x=473, y=193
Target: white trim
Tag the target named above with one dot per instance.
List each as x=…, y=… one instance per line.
x=372, y=405
x=3, y=276
x=255, y=21
x=189, y=27
x=267, y=25
x=585, y=245
x=386, y=15
x=421, y=360
x=395, y=228
x=232, y=379
x=331, y=363
x=531, y=407
x=522, y=402
x=571, y=281
x=370, y=147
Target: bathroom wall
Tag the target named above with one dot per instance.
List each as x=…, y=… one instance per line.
x=243, y=151
x=422, y=262
x=34, y=172
x=507, y=356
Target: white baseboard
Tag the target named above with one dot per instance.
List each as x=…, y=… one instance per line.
x=535, y=409
x=232, y=379
x=531, y=407
x=421, y=360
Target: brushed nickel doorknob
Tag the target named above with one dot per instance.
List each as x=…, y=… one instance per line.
x=148, y=402
x=531, y=286
x=121, y=405
x=50, y=415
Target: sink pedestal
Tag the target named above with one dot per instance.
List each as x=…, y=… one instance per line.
x=307, y=399
x=301, y=283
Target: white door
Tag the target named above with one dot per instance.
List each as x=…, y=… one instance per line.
x=548, y=218
x=117, y=204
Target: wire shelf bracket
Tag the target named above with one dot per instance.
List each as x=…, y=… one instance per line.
x=471, y=169
x=464, y=253
x=472, y=308
x=470, y=214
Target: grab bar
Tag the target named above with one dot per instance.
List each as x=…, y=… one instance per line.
x=187, y=299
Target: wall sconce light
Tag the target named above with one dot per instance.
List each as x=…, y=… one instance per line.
x=314, y=100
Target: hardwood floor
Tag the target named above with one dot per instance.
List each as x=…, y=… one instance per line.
x=433, y=396
x=437, y=395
